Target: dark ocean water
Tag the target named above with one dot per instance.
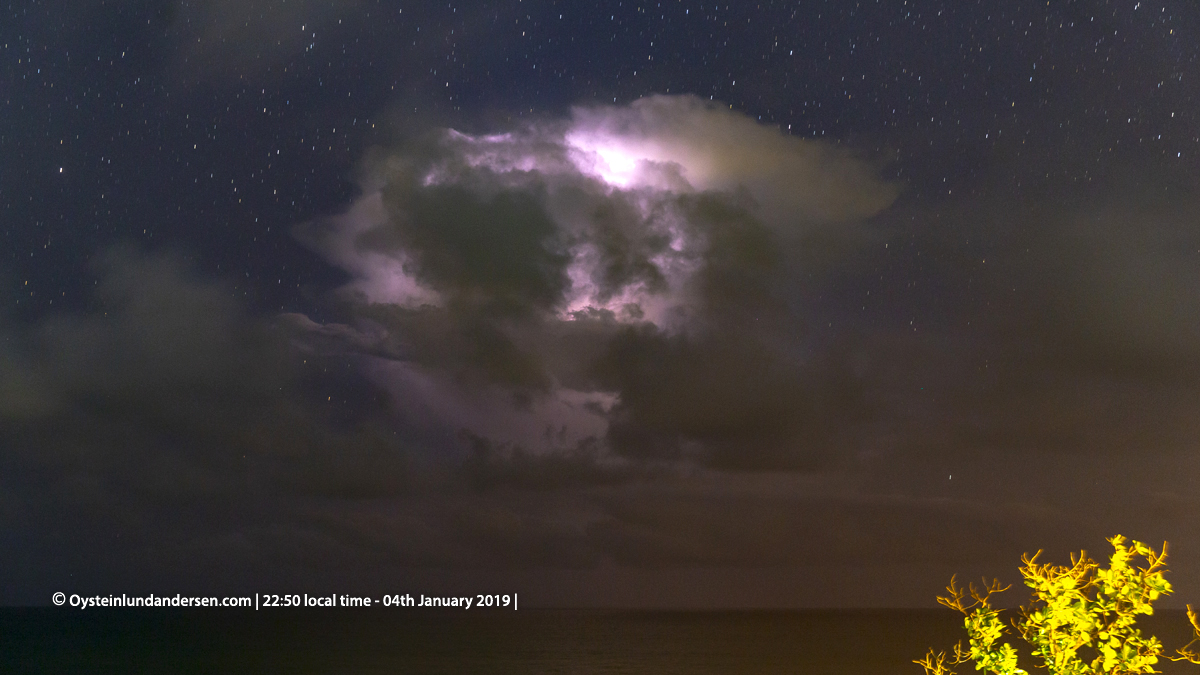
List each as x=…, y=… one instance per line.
x=867, y=642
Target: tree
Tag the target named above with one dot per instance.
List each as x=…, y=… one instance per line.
x=1081, y=620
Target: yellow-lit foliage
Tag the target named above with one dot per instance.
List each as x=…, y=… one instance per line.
x=1080, y=621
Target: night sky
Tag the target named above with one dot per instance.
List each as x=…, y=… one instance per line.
x=633, y=304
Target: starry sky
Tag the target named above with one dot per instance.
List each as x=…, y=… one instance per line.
x=632, y=304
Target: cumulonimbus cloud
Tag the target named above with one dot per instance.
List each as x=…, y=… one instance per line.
x=627, y=264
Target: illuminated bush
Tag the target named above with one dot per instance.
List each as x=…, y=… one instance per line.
x=1080, y=622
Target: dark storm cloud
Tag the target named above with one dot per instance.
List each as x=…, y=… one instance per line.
x=726, y=400
x=1073, y=329
x=578, y=355
x=167, y=389
x=169, y=417
x=580, y=257
x=634, y=256
x=153, y=329
x=497, y=247
x=647, y=363
x=164, y=431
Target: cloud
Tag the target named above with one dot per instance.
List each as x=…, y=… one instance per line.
x=637, y=256
x=157, y=334
x=649, y=358
x=797, y=181
x=232, y=39
x=167, y=393
x=542, y=368
x=1069, y=328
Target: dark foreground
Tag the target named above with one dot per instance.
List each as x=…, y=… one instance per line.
x=874, y=642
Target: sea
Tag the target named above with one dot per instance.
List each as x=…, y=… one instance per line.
x=577, y=642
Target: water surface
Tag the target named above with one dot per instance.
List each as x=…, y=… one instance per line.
x=337, y=641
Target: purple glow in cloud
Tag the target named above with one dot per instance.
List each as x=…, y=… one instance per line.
x=446, y=239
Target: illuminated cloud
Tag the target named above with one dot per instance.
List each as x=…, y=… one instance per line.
x=616, y=278
x=377, y=277
x=677, y=141
x=613, y=185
